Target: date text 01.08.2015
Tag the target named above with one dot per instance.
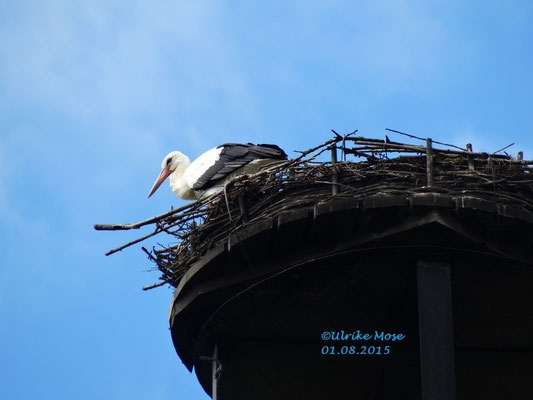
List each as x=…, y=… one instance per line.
x=356, y=350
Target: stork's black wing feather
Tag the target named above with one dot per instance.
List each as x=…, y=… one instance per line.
x=269, y=151
x=234, y=156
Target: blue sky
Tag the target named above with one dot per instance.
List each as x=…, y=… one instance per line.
x=95, y=93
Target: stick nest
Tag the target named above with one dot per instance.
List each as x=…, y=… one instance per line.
x=375, y=167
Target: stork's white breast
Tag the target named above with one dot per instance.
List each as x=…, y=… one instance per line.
x=199, y=166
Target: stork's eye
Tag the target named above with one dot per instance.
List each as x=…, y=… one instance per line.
x=169, y=160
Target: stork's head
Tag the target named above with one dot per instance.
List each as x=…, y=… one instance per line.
x=172, y=162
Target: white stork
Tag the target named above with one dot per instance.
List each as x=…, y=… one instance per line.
x=208, y=173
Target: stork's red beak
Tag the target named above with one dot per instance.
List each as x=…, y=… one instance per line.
x=160, y=179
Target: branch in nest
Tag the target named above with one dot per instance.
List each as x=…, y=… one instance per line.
x=137, y=225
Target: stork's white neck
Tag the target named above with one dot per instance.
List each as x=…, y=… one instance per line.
x=179, y=185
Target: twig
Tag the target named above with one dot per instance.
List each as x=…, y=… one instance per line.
x=154, y=285
x=137, y=225
x=429, y=162
x=503, y=148
x=416, y=137
x=335, y=174
x=470, y=158
x=120, y=248
x=150, y=256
